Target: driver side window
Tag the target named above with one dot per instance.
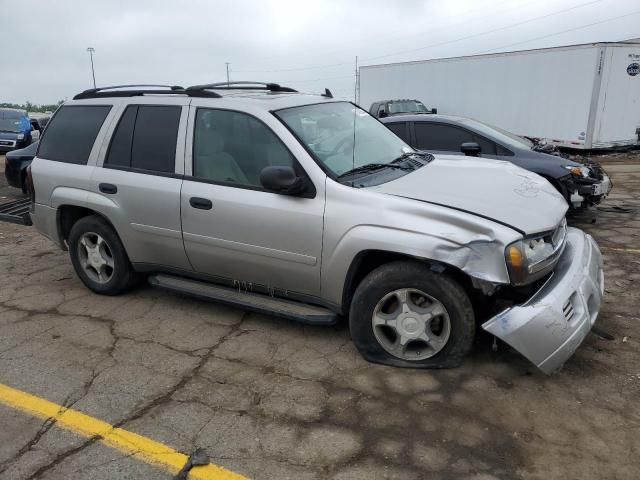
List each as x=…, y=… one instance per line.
x=233, y=148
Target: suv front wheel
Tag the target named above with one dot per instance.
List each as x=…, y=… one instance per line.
x=99, y=257
x=405, y=315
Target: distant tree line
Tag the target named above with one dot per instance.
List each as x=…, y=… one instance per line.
x=32, y=107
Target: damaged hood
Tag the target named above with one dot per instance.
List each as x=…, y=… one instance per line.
x=493, y=189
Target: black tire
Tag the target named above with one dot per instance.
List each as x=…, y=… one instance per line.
x=122, y=277
x=407, y=274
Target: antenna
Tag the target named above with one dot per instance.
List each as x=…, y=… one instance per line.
x=327, y=93
x=355, y=109
x=355, y=84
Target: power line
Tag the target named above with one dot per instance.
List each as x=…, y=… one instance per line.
x=394, y=35
x=582, y=5
x=295, y=69
x=560, y=33
x=475, y=35
x=307, y=80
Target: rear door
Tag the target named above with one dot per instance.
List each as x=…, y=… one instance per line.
x=140, y=180
x=618, y=114
x=233, y=228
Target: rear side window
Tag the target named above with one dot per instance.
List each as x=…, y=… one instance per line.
x=145, y=138
x=120, y=149
x=71, y=133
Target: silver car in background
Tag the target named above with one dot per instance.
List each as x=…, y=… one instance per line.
x=306, y=207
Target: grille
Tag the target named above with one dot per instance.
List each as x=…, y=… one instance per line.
x=413, y=162
x=567, y=310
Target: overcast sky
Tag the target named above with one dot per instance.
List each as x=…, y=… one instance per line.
x=308, y=45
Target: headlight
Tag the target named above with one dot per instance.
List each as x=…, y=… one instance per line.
x=20, y=136
x=578, y=171
x=533, y=257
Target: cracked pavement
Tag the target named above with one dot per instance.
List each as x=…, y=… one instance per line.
x=269, y=398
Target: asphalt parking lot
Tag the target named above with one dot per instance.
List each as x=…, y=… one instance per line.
x=271, y=399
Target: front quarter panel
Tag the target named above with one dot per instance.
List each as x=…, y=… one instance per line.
x=358, y=220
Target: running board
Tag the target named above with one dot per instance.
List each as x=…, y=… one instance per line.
x=301, y=312
x=16, y=212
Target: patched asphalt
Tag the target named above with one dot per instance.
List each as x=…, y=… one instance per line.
x=272, y=399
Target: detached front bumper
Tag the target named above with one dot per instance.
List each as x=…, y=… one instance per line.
x=549, y=327
x=587, y=194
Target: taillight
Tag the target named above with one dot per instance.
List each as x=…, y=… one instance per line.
x=30, y=188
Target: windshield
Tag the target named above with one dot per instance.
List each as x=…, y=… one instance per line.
x=11, y=121
x=503, y=136
x=407, y=106
x=328, y=131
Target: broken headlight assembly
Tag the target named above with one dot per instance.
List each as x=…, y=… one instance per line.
x=580, y=172
x=531, y=258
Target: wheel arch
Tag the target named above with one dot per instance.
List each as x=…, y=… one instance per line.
x=68, y=214
x=368, y=260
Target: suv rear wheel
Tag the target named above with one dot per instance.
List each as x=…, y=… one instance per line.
x=98, y=256
x=404, y=314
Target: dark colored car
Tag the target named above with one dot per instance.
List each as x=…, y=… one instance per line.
x=38, y=123
x=15, y=129
x=16, y=163
x=582, y=183
x=388, y=108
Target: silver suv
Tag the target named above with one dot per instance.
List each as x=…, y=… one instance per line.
x=306, y=207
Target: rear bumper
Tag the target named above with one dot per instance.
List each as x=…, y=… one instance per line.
x=13, y=174
x=549, y=327
x=45, y=220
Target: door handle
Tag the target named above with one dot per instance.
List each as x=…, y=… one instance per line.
x=108, y=188
x=201, y=203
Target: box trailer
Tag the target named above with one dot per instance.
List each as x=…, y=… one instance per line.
x=579, y=96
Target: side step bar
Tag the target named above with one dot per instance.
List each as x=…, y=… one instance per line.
x=16, y=212
x=301, y=312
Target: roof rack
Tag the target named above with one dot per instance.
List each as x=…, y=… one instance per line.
x=242, y=85
x=141, y=89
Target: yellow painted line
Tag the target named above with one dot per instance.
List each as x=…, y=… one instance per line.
x=130, y=443
x=619, y=249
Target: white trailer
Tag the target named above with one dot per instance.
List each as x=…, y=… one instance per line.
x=579, y=96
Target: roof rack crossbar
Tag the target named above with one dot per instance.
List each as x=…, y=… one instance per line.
x=137, y=85
x=134, y=90
x=242, y=85
x=193, y=91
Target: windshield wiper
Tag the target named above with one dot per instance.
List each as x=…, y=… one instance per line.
x=424, y=156
x=373, y=166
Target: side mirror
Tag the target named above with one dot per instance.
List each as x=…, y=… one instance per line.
x=282, y=180
x=471, y=149
x=383, y=114
x=434, y=110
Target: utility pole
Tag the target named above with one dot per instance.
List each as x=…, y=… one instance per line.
x=355, y=85
x=93, y=73
x=227, y=64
